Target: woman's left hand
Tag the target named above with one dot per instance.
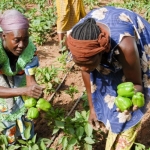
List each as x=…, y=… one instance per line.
x=133, y=108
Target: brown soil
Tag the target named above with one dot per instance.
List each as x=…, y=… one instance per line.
x=48, y=55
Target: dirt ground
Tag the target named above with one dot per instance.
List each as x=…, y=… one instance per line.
x=48, y=55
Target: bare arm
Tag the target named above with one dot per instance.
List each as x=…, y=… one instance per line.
x=86, y=79
x=129, y=58
x=92, y=117
x=32, y=89
x=30, y=80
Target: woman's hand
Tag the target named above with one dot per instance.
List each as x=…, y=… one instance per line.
x=34, y=91
x=133, y=108
x=93, y=120
x=131, y=65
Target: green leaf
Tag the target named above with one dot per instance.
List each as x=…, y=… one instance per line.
x=3, y=147
x=59, y=124
x=56, y=80
x=30, y=142
x=71, y=130
x=50, y=85
x=4, y=139
x=22, y=142
x=60, y=140
x=2, y=127
x=34, y=139
x=64, y=142
x=27, y=132
x=69, y=147
x=84, y=97
x=88, y=129
x=47, y=76
x=55, y=130
x=84, y=114
x=42, y=145
x=46, y=141
x=25, y=148
x=13, y=147
x=87, y=147
x=72, y=141
x=79, y=132
x=35, y=147
x=77, y=114
x=29, y=147
x=89, y=140
x=139, y=146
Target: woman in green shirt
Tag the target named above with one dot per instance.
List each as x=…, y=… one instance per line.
x=17, y=64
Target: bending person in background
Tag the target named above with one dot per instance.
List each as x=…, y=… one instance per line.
x=17, y=64
x=69, y=12
x=111, y=46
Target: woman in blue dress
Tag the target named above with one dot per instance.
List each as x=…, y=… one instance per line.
x=112, y=45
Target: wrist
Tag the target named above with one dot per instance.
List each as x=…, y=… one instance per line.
x=21, y=91
x=91, y=107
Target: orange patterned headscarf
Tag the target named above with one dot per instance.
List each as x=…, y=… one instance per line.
x=82, y=50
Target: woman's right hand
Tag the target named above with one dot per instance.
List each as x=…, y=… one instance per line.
x=93, y=120
x=34, y=91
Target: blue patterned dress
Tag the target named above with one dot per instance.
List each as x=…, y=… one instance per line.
x=121, y=22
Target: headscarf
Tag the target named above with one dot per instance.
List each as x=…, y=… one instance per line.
x=83, y=50
x=13, y=20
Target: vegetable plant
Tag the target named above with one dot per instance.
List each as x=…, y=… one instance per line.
x=41, y=25
x=33, y=144
x=3, y=138
x=52, y=115
x=84, y=98
x=77, y=132
x=63, y=58
x=71, y=91
x=49, y=77
x=91, y=3
x=139, y=146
